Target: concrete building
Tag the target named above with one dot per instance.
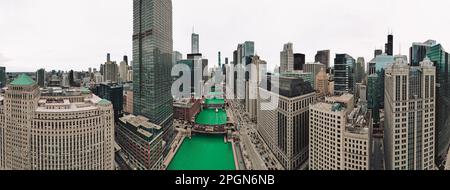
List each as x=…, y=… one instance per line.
x=313, y=68
x=409, y=131
x=287, y=58
x=141, y=142
x=339, y=135
x=321, y=84
x=110, y=72
x=128, y=108
x=323, y=57
x=252, y=92
x=186, y=109
x=55, y=129
x=285, y=129
x=123, y=70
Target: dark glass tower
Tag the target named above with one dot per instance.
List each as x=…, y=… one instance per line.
x=299, y=61
x=344, y=74
x=2, y=77
x=323, y=57
x=390, y=45
x=152, y=62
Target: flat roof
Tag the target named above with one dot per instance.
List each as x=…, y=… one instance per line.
x=204, y=152
x=212, y=117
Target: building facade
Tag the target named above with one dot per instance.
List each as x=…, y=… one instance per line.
x=314, y=69
x=323, y=57
x=141, y=142
x=285, y=129
x=41, y=77
x=55, y=129
x=322, y=83
x=287, y=58
x=152, y=62
x=409, y=131
x=339, y=135
x=344, y=75
x=299, y=61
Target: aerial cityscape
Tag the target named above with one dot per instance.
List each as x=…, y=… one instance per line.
x=162, y=108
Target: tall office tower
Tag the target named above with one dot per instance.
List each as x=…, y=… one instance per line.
x=409, y=131
x=314, y=69
x=152, y=63
x=110, y=71
x=360, y=70
x=287, y=58
x=2, y=134
x=344, y=76
x=256, y=77
x=244, y=54
x=323, y=57
x=299, y=61
x=441, y=60
x=377, y=52
x=322, y=83
x=375, y=84
x=389, y=47
x=71, y=78
x=123, y=71
x=2, y=77
x=195, y=43
x=339, y=135
x=130, y=75
x=285, y=129
x=176, y=56
x=39, y=125
x=40, y=77
x=418, y=51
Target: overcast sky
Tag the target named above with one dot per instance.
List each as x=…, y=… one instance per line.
x=77, y=34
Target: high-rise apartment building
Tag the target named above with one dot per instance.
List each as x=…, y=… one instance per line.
x=285, y=129
x=344, y=76
x=55, y=129
x=409, y=130
x=339, y=135
x=287, y=58
x=152, y=62
x=323, y=56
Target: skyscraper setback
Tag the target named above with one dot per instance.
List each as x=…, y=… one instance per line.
x=152, y=61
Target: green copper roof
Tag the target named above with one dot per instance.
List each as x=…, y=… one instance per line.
x=211, y=117
x=23, y=80
x=214, y=101
x=104, y=102
x=85, y=90
x=204, y=152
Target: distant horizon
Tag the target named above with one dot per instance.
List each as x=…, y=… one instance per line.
x=83, y=31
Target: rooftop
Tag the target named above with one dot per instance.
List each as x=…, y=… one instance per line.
x=23, y=80
x=204, y=152
x=212, y=117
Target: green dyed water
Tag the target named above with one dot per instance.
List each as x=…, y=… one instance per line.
x=204, y=152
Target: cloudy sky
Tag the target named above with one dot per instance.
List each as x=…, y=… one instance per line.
x=76, y=34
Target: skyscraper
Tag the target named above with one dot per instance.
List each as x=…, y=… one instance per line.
x=418, y=51
x=323, y=56
x=360, y=70
x=314, y=69
x=299, y=61
x=344, y=76
x=409, y=130
x=340, y=135
x=322, y=83
x=287, y=58
x=123, y=70
x=377, y=52
x=389, y=46
x=440, y=59
x=152, y=62
x=285, y=129
x=110, y=70
x=40, y=77
x=2, y=77
x=195, y=43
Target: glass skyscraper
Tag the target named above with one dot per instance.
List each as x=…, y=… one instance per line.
x=2, y=77
x=441, y=60
x=344, y=75
x=152, y=61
